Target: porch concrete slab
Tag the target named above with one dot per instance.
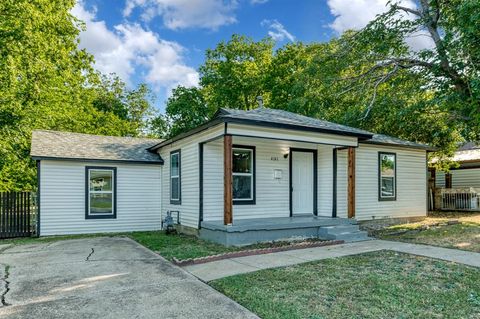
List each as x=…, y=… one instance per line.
x=241, y=265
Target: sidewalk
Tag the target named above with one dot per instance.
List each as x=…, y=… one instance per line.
x=240, y=265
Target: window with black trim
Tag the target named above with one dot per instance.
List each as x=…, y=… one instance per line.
x=175, y=179
x=387, y=176
x=243, y=173
x=100, y=192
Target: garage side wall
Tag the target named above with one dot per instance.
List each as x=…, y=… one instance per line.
x=62, y=198
x=411, y=183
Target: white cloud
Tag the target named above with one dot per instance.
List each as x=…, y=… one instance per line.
x=182, y=14
x=355, y=14
x=129, y=49
x=277, y=30
x=258, y=1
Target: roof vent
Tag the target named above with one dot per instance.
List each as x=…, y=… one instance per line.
x=260, y=102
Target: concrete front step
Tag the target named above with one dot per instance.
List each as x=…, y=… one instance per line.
x=340, y=229
x=348, y=233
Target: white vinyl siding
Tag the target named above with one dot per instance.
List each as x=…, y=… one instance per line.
x=460, y=178
x=325, y=180
x=189, y=148
x=62, y=198
x=411, y=183
x=213, y=180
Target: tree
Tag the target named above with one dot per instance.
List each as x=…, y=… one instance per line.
x=47, y=82
x=186, y=109
x=234, y=73
x=134, y=106
x=449, y=67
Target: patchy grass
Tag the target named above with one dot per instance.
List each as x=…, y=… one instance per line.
x=184, y=247
x=465, y=235
x=373, y=285
x=179, y=246
x=169, y=246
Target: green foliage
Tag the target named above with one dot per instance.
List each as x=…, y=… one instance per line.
x=233, y=74
x=47, y=82
x=186, y=109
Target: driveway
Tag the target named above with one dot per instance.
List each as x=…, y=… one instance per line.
x=103, y=278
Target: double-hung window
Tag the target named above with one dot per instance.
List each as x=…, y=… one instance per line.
x=100, y=192
x=387, y=176
x=175, y=181
x=243, y=173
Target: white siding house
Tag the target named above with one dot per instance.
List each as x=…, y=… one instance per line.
x=242, y=177
x=96, y=184
x=62, y=198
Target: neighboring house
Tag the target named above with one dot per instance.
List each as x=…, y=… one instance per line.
x=459, y=189
x=244, y=176
x=468, y=172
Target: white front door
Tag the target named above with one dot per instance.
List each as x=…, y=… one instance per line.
x=302, y=182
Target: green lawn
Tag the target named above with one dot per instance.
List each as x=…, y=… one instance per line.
x=179, y=246
x=465, y=235
x=374, y=285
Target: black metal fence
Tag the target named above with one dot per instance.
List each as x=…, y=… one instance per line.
x=17, y=214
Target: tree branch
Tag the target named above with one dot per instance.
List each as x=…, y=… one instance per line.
x=408, y=10
x=383, y=79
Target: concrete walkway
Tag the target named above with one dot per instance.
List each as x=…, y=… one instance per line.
x=240, y=265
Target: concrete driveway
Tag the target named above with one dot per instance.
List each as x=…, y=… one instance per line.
x=103, y=278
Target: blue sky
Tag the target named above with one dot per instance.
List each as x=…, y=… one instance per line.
x=162, y=42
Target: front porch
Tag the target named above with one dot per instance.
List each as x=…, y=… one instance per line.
x=248, y=231
x=260, y=185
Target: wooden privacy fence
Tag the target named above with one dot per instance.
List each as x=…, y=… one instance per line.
x=17, y=214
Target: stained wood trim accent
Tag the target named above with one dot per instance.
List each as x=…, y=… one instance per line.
x=334, y=182
x=351, y=182
x=227, y=180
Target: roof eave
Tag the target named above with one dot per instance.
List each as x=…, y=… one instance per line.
x=296, y=127
x=80, y=159
x=419, y=147
x=205, y=126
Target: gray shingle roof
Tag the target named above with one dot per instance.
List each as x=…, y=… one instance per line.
x=394, y=141
x=67, y=145
x=289, y=118
x=285, y=119
x=281, y=117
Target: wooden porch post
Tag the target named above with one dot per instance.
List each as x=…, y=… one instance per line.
x=351, y=182
x=227, y=180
